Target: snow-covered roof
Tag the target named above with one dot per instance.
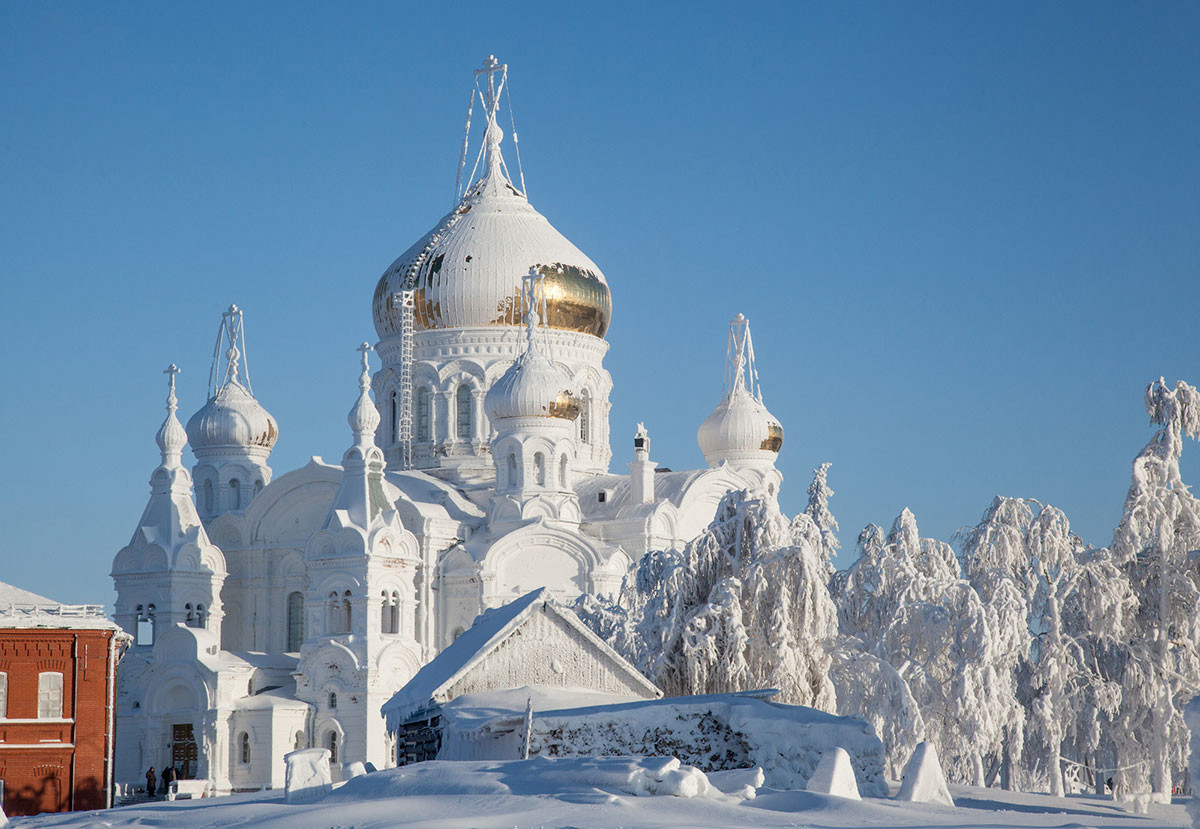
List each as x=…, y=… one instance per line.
x=259, y=659
x=668, y=486
x=490, y=629
x=20, y=608
x=274, y=699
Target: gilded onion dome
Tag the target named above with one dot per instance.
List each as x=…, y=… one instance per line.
x=533, y=386
x=466, y=272
x=740, y=429
x=232, y=418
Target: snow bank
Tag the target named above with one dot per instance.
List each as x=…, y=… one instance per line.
x=308, y=775
x=543, y=776
x=743, y=783
x=924, y=781
x=834, y=775
x=715, y=732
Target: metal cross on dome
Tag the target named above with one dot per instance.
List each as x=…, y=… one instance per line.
x=364, y=350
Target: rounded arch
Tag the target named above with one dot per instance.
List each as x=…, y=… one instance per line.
x=536, y=555
x=177, y=690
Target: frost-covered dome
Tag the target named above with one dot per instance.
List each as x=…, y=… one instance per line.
x=466, y=272
x=232, y=418
x=533, y=386
x=740, y=429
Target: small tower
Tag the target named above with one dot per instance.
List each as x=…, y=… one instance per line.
x=169, y=572
x=641, y=469
x=533, y=409
x=232, y=435
x=740, y=431
x=359, y=643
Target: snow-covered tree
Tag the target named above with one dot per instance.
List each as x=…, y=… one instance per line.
x=906, y=600
x=869, y=687
x=819, y=494
x=744, y=605
x=1158, y=533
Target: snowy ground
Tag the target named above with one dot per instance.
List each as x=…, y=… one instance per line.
x=557, y=793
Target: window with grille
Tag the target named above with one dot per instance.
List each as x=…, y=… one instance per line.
x=424, y=416
x=295, y=622
x=3, y=696
x=464, y=412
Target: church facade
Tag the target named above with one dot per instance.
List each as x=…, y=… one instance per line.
x=278, y=612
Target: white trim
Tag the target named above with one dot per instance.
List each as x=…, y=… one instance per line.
x=24, y=720
x=37, y=745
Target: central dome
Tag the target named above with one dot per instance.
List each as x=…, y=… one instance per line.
x=467, y=271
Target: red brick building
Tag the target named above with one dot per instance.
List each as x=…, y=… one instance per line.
x=57, y=682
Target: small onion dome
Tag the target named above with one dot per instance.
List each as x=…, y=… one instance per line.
x=466, y=272
x=231, y=419
x=533, y=386
x=740, y=429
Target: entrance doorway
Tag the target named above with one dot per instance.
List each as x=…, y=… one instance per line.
x=183, y=750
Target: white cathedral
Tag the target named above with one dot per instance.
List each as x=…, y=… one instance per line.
x=280, y=612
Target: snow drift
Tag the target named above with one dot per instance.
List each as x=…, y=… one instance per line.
x=714, y=732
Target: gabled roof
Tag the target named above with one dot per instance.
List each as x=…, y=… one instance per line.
x=491, y=629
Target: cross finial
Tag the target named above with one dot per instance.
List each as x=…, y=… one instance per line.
x=364, y=381
x=171, y=371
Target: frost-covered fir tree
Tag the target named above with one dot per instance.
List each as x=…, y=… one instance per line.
x=1159, y=530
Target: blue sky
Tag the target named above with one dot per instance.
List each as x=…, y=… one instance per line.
x=966, y=234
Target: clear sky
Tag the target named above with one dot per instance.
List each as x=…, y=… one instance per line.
x=966, y=234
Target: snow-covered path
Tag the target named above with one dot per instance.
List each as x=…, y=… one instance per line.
x=523, y=794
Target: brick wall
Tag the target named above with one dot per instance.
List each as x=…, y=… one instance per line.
x=53, y=765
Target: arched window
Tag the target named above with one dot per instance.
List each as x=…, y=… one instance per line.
x=189, y=618
x=244, y=742
x=50, y=695
x=295, y=621
x=258, y=486
x=3, y=696
x=331, y=743
x=562, y=472
x=208, y=497
x=334, y=622
x=539, y=468
x=385, y=616
x=585, y=418
x=395, y=418
x=346, y=617
x=424, y=415
x=235, y=493
x=332, y=701
x=145, y=625
x=463, y=411
x=201, y=616
x=395, y=612
x=514, y=479
x=300, y=741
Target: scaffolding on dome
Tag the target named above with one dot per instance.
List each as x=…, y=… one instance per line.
x=231, y=344
x=490, y=99
x=739, y=360
x=404, y=301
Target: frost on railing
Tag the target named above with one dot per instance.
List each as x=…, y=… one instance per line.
x=12, y=610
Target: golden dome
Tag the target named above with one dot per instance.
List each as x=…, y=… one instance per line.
x=467, y=272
